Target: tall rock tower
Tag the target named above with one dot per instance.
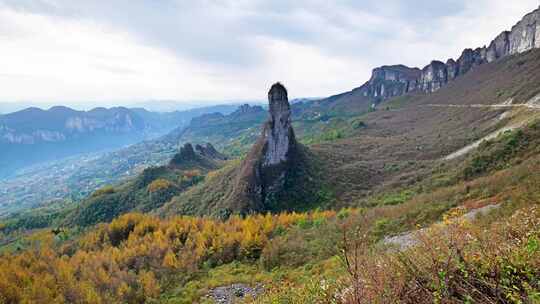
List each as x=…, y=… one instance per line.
x=272, y=161
x=278, y=134
x=277, y=174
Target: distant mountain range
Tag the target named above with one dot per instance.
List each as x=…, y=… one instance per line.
x=34, y=135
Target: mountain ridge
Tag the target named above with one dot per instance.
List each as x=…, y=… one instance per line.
x=63, y=132
x=395, y=80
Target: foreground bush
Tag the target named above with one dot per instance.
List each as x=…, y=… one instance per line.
x=455, y=263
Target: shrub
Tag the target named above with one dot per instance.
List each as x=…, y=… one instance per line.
x=332, y=135
x=455, y=262
x=497, y=153
x=159, y=184
x=358, y=124
x=192, y=173
x=103, y=191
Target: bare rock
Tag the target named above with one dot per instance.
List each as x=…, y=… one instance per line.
x=232, y=293
x=209, y=151
x=272, y=160
x=433, y=76
x=390, y=81
x=278, y=133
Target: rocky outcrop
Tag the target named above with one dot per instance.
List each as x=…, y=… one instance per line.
x=433, y=77
x=391, y=81
x=525, y=35
x=209, y=151
x=247, y=109
x=205, y=155
x=186, y=154
x=272, y=160
x=234, y=293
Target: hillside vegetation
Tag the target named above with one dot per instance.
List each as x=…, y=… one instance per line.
x=312, y=257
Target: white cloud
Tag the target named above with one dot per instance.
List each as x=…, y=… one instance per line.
x=51, y=59
x=120, y=51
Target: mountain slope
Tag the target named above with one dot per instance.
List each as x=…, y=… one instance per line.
x=402, y=141
x=76, y=176
x=150, y=189
x=411, y=135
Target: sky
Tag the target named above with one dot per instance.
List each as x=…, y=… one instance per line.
x=122, y=52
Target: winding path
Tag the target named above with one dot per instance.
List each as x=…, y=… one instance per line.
x=531, y=104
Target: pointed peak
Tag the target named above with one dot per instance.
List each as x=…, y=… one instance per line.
x=278, y=86
x=277, y=92
x=278, y=101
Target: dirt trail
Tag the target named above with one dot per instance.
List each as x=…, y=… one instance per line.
x=531, y=104
x=409, y=239
x=477, y=143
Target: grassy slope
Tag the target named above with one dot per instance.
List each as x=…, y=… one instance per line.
x=406, y=138
x=495, y=259
x=216, y=195
x=142, y=193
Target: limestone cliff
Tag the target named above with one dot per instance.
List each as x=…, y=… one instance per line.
x=391, y=81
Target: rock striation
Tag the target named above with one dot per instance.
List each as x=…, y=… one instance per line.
x=390, y=81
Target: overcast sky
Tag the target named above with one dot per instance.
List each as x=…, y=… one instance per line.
x=117, y=52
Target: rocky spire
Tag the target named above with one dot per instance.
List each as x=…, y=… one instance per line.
x=278, y=132
x=272, y=161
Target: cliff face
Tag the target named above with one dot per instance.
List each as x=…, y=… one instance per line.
x=391, y=81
